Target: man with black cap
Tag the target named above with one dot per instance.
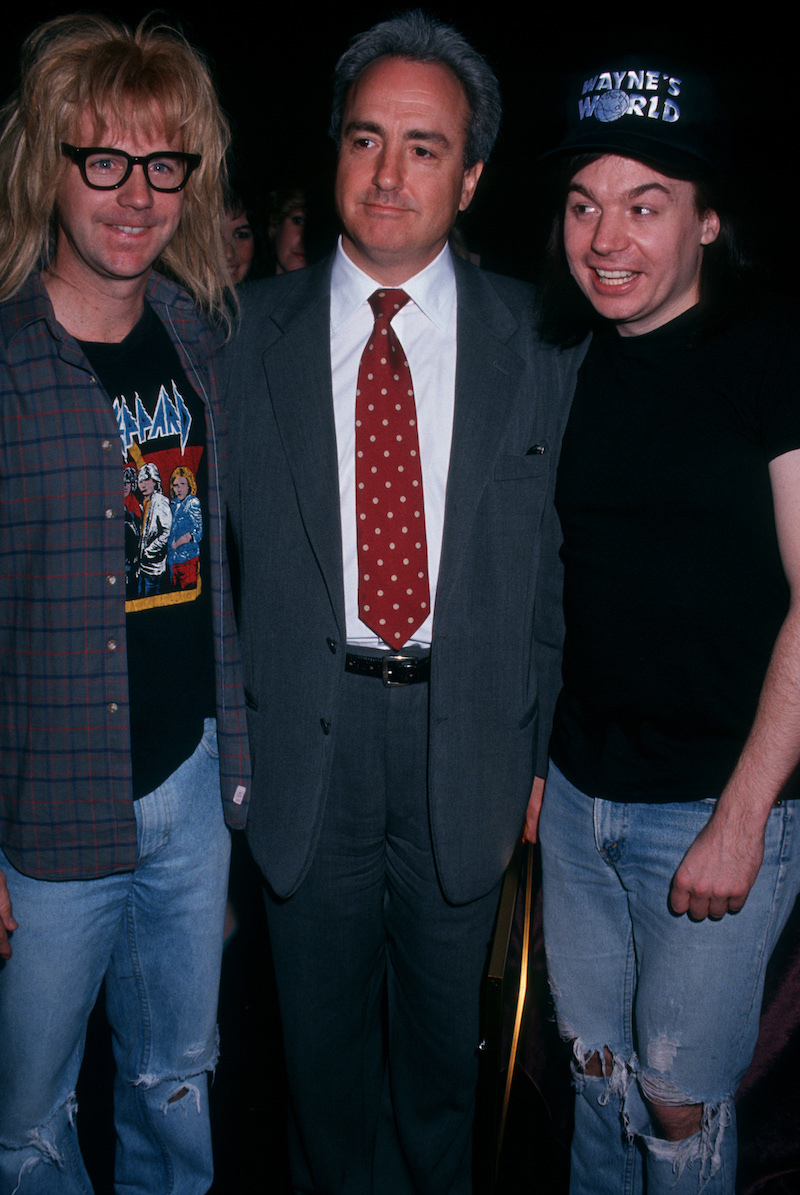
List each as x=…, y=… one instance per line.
x=670, y=847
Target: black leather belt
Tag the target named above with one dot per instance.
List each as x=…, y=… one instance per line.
x=391, y=669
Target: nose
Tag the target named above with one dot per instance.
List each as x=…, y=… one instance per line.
x=610, y=234
x=136, y=191
x=388, y=174
x=230, y=253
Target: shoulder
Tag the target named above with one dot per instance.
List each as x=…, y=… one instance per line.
x=29, y=305
x=284, y=297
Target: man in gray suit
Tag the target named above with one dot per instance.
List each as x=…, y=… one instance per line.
x=395, y=434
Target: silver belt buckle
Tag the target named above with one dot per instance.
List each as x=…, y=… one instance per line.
x=385, y=662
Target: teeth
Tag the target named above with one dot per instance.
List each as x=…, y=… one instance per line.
x=615, y=277
x=129, y=228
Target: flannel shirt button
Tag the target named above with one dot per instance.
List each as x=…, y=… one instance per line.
x=106, y=445
x=112, y=580
x=109, y=514
x=112, y=645
x=113, y=707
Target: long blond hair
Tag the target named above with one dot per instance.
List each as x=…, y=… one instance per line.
x=92, y=64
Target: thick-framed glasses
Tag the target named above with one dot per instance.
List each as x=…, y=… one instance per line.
x=106, y=169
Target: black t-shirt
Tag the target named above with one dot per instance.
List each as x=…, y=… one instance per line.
x=164, y=478
x=674, y=589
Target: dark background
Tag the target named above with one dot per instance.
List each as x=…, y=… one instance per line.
x=273, y=66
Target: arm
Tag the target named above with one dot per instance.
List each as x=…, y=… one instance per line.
x=720, y=867
x=7, y=922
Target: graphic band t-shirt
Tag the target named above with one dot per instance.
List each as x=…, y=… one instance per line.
x=164, y=478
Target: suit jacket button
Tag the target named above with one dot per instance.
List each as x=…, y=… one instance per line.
x=326, y=726
x=331, y=644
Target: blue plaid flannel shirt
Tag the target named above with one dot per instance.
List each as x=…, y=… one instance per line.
x=66, y=807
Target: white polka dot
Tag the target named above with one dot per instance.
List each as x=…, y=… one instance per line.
x=395, y=605
x=405, y=529
x=386, y=452
x=406, y=562
x=391, y=546
x=388, y=485
x=390, y=514
x=380, y=593
x=370, y=376
x=409, y=591
x=374, y=501
x=380, y=562
x=361, y=485
x=362, y=516
x=383, y=391
x=371, y=407
x=402, y=497
x=423, y=605
x=366, y=576
x=420, y=575
x=366, y=608
x=399, y=468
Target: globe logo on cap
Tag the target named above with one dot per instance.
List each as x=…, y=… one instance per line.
x=611, y=105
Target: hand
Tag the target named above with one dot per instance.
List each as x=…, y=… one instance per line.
x=7, y=922
x=531, y=830
x=718, y=870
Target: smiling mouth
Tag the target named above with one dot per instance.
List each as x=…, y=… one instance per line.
x=615, y=277
x=135, y=229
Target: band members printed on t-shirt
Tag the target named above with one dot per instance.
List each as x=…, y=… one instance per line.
x=133, y=531
x=183, y=548
x=156, y=525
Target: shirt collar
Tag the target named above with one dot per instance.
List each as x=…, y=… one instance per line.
x=432, y=289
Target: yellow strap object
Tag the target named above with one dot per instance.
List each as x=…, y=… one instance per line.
x=523, y=988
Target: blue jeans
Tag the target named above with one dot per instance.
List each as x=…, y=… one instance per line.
x=675, y=1002
x=155, y=935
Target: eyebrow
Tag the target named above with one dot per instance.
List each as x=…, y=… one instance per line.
x=370, y=126
x=634, y=193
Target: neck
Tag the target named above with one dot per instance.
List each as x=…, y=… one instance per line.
x=98, y=312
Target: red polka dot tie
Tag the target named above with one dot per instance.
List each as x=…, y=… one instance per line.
x=393, y=591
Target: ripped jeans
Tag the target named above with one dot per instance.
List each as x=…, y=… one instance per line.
x=676, y=1002
x=155, y=935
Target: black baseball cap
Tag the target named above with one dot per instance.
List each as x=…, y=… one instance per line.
x=642, y=106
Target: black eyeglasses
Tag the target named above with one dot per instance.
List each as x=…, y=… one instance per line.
x=106, y=169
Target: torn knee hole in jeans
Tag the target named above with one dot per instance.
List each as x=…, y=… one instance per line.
x=703, y=1148
x=604, y=1065
x=41, y=1139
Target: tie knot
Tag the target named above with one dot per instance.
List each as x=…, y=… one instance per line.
x=386, y=303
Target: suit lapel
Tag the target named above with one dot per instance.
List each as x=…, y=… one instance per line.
x=488, y=375
x=298, y=370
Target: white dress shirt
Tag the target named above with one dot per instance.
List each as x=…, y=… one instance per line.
x=426, y=328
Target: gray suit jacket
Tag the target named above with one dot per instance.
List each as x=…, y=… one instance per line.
x=495, y=660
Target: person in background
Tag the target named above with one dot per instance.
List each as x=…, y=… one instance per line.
x=287, y=229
